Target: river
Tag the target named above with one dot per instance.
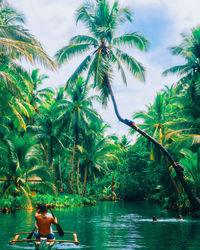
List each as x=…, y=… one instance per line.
x=110, y=225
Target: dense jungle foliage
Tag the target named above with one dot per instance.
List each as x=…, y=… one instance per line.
x=54, y=145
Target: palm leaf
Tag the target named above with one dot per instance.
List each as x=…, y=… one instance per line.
x=132, y=39
x=82, y=67
x=84, y=39
x=132, y=64
x=70, y=51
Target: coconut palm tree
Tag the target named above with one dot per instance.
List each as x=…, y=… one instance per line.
x=16, y=41
x=47, y=131
x=14, y=86
x=102, y=22
x=96, y=152
x=191, y=161
x=160, y=121
x=19, y=165
x=189, y=50
x=77, y=113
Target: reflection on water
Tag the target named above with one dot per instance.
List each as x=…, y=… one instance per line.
x=121, y=225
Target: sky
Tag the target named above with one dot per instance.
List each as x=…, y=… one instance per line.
x=52, y=22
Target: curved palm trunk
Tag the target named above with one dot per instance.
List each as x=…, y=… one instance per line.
x=172, y=179
x=191, y=196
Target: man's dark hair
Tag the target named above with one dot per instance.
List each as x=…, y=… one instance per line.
x=42, y=208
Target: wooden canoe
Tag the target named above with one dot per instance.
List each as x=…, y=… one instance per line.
x=45, y=244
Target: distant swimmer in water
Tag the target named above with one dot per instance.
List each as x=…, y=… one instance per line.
x=154, y=218
x=179, y=217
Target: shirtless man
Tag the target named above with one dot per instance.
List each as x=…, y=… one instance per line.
x=44, y=221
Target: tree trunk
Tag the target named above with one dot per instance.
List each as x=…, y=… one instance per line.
x=72, y=173
x=45, y=153
x=78, y=176
x=172, y=179
x=85, y=181
x=51, y=153
x=191, y=196
x=60, y=173
x=70, y=163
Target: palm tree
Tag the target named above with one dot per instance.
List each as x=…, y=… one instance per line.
x=16, y=44
x=47, y=131
x=35, y=81
x=16, y=41
x=21, y=164
x=187, y=100
x=14, y=86
x=159, y=120
x=102, y=23
x=96, y=152
x=191, y=161
x=189, y=50
x=77, y=113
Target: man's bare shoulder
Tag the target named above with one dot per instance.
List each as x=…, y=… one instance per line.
x=49, y=215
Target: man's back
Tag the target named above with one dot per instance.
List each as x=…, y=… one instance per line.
x=44, y=221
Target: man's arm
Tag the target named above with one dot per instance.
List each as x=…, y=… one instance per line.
x=54, y=221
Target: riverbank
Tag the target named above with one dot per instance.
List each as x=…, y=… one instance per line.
x=60, y=201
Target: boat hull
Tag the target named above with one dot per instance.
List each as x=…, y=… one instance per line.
x=44, y=244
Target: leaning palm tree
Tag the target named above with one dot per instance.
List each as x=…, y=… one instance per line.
x=102, y=23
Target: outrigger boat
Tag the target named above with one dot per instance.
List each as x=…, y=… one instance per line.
x=43, y=242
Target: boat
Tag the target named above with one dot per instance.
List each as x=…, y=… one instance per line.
x=43, y=242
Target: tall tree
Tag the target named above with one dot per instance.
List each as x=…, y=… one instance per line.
x=96, y=152
x=77, y=114
x=102, y=22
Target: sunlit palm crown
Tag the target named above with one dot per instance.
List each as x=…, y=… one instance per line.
x=16, y=41
x=102, y=22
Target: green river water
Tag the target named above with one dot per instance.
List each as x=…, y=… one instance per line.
x=110, y=225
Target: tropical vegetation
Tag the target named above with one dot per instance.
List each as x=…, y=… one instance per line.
x=54, y=145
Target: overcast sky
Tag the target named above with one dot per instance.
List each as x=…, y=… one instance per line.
x=161, y=21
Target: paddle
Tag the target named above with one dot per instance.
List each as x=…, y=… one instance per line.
x=58, y=227
x=31, y=234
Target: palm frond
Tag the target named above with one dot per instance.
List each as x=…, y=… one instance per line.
x=176, y=69
x=84, y=39
x=132, y=39
x=70, y=51
x=82, y=67
x=132, y=64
